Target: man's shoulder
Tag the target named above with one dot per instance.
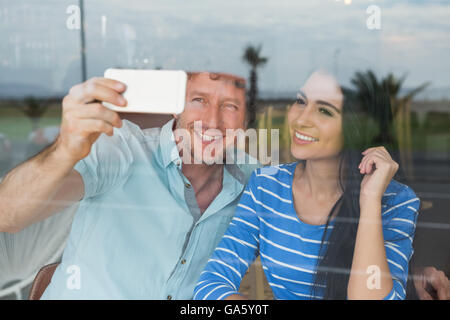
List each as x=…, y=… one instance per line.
x=129, y=136
x=132, y=130
x=246, y=163
x=127, y=143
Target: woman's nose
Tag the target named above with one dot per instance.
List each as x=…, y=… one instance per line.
x=305, y=117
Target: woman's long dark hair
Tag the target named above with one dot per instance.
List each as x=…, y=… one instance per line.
x=359, y=130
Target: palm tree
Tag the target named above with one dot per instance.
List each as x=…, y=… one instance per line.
x=376, y=101
x=34, y=109
x=391, y=111
x=401, y=109
x=252, y=56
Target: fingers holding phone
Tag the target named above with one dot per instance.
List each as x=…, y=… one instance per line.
x=84, y=117
x=91, y=107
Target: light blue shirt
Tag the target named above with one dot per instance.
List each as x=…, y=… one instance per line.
x=138, y=232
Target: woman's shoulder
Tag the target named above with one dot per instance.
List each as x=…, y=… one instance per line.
x=281, y=173
x=399, y=191
x=399, y=197
x=400, y=209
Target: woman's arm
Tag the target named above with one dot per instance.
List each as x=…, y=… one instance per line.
x=369, y=258
x=382, y=249
x=236, y=251
x=236, y=297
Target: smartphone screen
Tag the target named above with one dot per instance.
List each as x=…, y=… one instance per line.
x=150, y=91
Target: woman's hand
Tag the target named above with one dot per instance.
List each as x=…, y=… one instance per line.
x=379, y=169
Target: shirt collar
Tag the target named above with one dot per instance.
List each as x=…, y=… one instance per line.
x=169, y=150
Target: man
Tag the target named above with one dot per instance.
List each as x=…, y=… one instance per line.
x=5, y=154
x=428, y=283
x=147, y=221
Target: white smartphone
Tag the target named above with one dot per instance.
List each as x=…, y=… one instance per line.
x=150, y=91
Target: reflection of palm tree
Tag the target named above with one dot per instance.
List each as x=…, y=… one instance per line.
x=394, y=86
x=375, y=99
x=401, y=109
x=390, y=110
x=253, y=58
x=34, y=109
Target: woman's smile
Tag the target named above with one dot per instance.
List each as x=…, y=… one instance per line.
x=302, y=138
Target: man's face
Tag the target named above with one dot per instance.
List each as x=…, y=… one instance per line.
x=212, y=107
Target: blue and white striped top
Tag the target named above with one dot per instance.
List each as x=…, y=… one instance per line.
x=266, y=224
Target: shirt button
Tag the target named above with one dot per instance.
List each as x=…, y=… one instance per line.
x=169, y=297
x=183, y=261
x=187, y=185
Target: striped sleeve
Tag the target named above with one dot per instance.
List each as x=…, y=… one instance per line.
x=399, y=225
x=235, y=252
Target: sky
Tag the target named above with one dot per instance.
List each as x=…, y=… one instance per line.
x=38, y=52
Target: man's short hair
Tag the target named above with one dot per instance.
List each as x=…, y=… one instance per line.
x=238, y=82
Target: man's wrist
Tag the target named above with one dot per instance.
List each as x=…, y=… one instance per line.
x=56, y=154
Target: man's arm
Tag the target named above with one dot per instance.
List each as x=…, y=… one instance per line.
x=431, y=284
x=37, y=189
x=47, y=183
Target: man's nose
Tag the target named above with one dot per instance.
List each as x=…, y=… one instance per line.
x=211, y=117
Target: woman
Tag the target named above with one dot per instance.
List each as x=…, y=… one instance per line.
x=333, y=225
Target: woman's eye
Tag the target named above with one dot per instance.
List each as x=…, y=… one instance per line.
x=325, y=111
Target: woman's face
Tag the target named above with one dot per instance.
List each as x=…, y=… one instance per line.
x=315, y=119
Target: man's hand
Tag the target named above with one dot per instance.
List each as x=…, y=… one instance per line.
x=432, y=284
x=84, y=118
x=47, y=183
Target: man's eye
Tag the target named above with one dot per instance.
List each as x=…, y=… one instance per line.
x=197, y=100
x=300, y=101
x=231, y=106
